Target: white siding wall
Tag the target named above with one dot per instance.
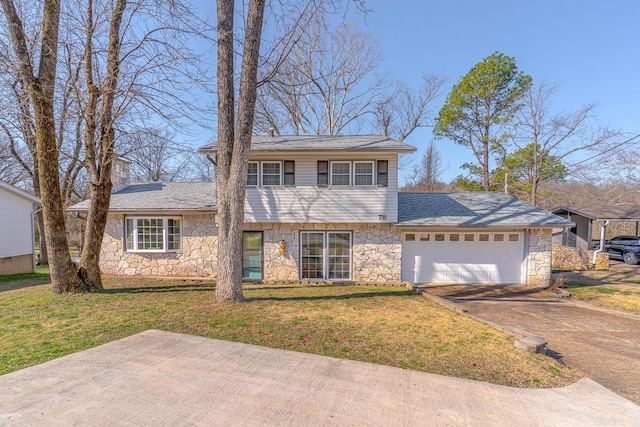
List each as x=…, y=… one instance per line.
x=306, y=202
x=16, y=235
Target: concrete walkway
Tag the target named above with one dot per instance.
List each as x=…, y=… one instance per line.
x=602, y=343
x=165, y=379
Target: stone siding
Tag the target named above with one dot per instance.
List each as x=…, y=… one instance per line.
x=539, y=258
x=197, y=258
x=575, y=259
x=376, y=250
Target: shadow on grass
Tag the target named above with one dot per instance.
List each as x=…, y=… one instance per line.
x=161, y=289
x=21, y=281
x=334, y=297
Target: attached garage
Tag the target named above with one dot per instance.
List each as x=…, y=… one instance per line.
x=463, y=257
x=474, y=238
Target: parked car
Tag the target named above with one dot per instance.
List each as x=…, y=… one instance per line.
x=625, y=248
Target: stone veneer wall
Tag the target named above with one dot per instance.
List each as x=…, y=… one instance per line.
x=197, y=258
x=575, y=259
x=376, y=250
x=539, y=258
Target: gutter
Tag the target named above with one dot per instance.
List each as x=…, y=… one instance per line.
x=603, y=230
x=33, y=235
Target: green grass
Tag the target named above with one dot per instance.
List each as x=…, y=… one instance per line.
x=622, y=296
x=384, y=325
x=41, y=275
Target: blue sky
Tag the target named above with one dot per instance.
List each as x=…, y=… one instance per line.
x=589, y=48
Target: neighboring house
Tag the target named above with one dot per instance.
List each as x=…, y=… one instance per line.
x=16, y=228
x=327, y=208
x=590, y=222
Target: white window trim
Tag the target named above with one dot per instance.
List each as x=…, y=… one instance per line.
x=165, y=234
x=261, y=178
x=257, y=173
x=325, y=254
x=373, y=173
x=350, y=173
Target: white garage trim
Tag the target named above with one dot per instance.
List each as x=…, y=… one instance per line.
x=463, y=257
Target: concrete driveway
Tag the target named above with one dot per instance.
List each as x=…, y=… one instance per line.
x=604, y=344
x=159, y=378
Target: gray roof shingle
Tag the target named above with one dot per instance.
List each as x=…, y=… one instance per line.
x=472, y=209
x=160, y=197
x=320, y=143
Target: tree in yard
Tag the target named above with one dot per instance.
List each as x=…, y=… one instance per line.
x=479, y=108
x=40, y=87
x=234, y=140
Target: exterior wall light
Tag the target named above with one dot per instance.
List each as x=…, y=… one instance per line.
x=282, y=247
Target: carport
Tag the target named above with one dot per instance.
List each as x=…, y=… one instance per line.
x=590, y=222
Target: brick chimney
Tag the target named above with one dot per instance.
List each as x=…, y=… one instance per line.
x=120, y=173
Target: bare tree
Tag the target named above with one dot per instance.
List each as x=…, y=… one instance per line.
x=156, y=156
x=41, y=88
x=405, y=108
x=547, y=140
x=426, y=175
x=321, y=86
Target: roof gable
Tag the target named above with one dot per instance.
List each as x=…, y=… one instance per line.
x=19, y=192
x=260, y=143
x=472, y=209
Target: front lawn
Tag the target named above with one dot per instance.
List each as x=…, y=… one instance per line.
x=621, y=296
x=384, y=325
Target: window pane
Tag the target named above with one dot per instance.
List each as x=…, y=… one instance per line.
x=363, y=173
x=383, y=167
x=173, y=234
x=513, y=237
x=468, y=237
x=498, y=237
x=129, y=230
x=339, y=255
x=439, y=237
x=454, y=237
x=289, y=172
x=312, y=255
x=425, y=237
x=340, y=174
x=150, y=234
x=270, y=174
x=410, y=237
x=483, y=238
x=252, y=174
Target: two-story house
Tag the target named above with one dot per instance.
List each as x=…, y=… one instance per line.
x=327, y=208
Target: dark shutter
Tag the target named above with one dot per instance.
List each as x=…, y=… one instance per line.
x=289, y=172
x=323, y=173
x=383, y=173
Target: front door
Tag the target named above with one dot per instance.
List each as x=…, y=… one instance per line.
x=252, y=255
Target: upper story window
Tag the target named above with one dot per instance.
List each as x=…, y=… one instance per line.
x=363, y=173
x=271, y=174
x=357, y=173
x=153, y=234
x=252, y=174
x=340, y=173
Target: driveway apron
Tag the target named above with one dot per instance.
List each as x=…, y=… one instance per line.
x=604, y=344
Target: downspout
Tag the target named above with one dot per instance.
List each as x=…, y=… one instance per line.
x=603, y=230
x=33, y=235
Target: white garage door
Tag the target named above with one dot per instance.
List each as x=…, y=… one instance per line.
x=474, y=257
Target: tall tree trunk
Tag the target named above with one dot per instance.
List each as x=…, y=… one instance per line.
x=234, y=141
x=99, y=153
x=41, y=91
